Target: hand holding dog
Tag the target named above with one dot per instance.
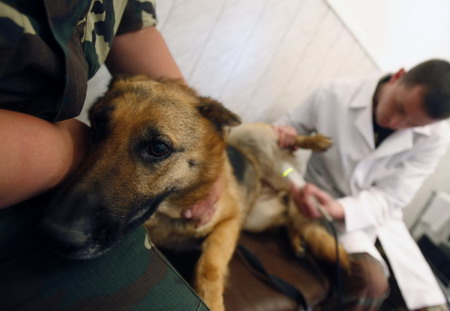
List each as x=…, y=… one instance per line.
x=203, y=211
x=304, y=199
x=286, y=136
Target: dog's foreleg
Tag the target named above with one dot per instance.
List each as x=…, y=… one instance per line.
x=212, y=267
x=316, y=143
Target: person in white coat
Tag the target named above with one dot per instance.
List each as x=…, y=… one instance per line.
x=388, y=136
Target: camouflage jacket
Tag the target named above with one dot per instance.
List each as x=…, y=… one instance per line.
x=131, y=276
x=50, y=48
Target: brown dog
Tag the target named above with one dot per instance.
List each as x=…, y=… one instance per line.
x=157, y=149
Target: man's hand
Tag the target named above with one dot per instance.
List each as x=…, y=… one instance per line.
x=286, y=136
x=305, y=198
x=203, y=211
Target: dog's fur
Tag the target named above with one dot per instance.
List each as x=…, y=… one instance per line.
x=157, y=149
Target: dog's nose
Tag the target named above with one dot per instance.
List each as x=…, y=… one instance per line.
x=67, y=241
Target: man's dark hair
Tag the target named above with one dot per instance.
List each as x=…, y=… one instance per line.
x=434, y=75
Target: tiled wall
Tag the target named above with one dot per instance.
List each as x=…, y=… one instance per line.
x=259, y=57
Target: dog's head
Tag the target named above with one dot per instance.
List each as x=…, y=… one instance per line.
x=154, y=143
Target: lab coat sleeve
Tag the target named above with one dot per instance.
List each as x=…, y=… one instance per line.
x=386, y=197
x=303, y=117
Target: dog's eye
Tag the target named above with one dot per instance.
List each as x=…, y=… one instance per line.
x=158, y=149
x=98, y=123
x=98, y=128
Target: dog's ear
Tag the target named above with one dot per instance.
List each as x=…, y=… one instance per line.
x=121, y=80
x=219, y=115
x=128, y=78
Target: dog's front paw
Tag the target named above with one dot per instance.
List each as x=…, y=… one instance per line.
x=316, y=143
x=320, y=143
x=209, y=285
x=215, y=305
x=211, y=299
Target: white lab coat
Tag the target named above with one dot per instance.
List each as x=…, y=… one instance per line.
x=373, y=185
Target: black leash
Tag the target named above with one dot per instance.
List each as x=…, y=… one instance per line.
x=275, y=281
x=338, y=281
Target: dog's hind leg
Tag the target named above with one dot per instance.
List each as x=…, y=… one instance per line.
x=322, y=245
x=312, y=235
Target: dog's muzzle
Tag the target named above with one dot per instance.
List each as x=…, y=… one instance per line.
x=76, y=226
x=70, y=241
x=83, y=225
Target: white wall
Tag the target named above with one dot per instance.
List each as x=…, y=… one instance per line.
x=398, y=33
x=260, y=57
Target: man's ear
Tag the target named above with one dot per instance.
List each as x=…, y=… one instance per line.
x=396, y=76
x=219, y=115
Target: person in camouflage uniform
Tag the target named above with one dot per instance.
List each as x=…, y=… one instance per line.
x=48, y=51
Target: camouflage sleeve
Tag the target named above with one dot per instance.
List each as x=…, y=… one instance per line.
x=49, y=49
x=31, y=71
x=138, y=14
